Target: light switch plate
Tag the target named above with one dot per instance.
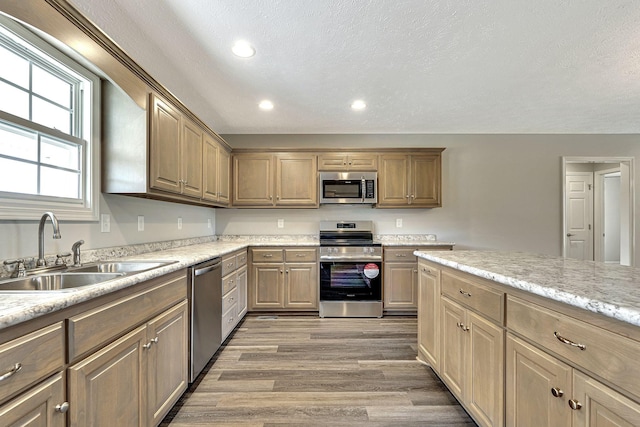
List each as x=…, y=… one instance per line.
x=140, y=222
x=179, y=223
x=399, y=223
x=281, y=223
x=208, y=222
x=105, y=223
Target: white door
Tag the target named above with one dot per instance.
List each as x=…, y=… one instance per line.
x=579, y=215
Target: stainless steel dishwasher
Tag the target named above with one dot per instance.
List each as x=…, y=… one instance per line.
x=205, y=297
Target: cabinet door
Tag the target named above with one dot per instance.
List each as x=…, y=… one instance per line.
x=601, y=406
x=253, y=180
x=400, y=286
x=425, y=181
x=484, y=393
x=332, y=162
x=242, y=291
x=164, y=150
x=37, y=406
x=107, y=388
x=452, y=346
x=210, y=161
x=429, y=315
x=301, y=286
x=191, y=159
x=393, y=184
x=363, y=162
x=296, y=180
x=532, y=376
x=167, y=365
x=224, y=177
x=267, y=284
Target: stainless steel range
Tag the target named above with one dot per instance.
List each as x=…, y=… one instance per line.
x=350, y=270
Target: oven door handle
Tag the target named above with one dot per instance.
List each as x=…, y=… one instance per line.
x=354, y=259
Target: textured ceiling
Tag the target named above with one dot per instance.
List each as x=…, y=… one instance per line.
x=422, y=66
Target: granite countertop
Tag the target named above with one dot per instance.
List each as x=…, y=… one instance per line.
x=17, y=306
x=414, y=240
x=611, y=290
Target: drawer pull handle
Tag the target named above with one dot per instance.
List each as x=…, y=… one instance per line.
x=465, y=293
x=12, y=371
x=300, y=255
x=574, y=404
x=569, y=342
x=62, y=408
x=267, y=255
x=401, y=255
x=557, y=392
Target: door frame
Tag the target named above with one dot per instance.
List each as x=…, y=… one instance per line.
x=627, y=219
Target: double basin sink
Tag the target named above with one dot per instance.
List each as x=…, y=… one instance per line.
x=76, y=277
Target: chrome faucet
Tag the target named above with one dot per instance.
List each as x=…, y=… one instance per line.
x=56, y=235
x=75, y=248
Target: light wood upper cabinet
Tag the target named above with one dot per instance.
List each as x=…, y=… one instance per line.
x=275, y=180
x=412, y=181
x=215, y=171
x=348, y=162
x=175, y=151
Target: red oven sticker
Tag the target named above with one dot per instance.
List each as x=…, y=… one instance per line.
x=371, y=270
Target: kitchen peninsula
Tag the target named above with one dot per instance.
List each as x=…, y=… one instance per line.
x=525, y=339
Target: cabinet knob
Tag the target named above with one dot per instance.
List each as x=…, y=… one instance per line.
x=462, y=326
x=62, y=408
x=574, y=404
x=154, y=340
x=557, y=392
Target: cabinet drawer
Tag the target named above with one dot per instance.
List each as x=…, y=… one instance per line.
x=484, y=300
x=229, y=320
x=96, y=327
x=267, y=255
x=31, y=358
x=241, y=259
x=228, y=283
x=300, y=255
x=607, y=355
x=229, y=299
x=228, y=264
x=399, y=255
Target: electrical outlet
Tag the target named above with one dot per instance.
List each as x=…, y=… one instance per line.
x=281, y=223
x=105, y=223
x=179, y=223
x=399, y=223
x=208, y=222
x=140, y=222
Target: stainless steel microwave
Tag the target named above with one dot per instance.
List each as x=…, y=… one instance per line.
x=348, y=187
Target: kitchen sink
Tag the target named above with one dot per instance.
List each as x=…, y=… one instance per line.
x=56, y=281
x=121, y=266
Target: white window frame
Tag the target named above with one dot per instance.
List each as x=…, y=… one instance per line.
x=16, y=206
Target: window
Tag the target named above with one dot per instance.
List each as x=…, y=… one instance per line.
x=49, y=122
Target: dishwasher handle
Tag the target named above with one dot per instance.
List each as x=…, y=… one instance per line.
x=204, y=270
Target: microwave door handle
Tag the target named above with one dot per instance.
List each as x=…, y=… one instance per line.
x=363, y=189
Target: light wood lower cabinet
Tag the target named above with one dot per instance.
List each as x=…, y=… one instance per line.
x=284, y=279
x=41, y=406
x=400, y=277
x=234, y=290
x=429, y=315
x=542, y=391
x=135, y=380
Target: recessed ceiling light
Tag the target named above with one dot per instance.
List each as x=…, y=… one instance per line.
x=358, y=104
x=266, y=105
x=243, y=49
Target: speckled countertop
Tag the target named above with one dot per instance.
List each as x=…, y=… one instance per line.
x=611, y=290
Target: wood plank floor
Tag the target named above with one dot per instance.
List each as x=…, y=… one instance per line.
x=307, y=371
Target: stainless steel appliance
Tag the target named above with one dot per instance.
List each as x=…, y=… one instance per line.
x=350, y=270
x=205, y=297
x=348, y=187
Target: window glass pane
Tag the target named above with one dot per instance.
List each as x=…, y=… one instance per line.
x=51, y=87
x=51, y=116
x=14, y=101
x=14, y=68
x=18, y=143
x=59, y=183
x=18, y=177
x=59, y=153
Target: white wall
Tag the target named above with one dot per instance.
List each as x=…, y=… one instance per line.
x=20, y=238
x=499, y=191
